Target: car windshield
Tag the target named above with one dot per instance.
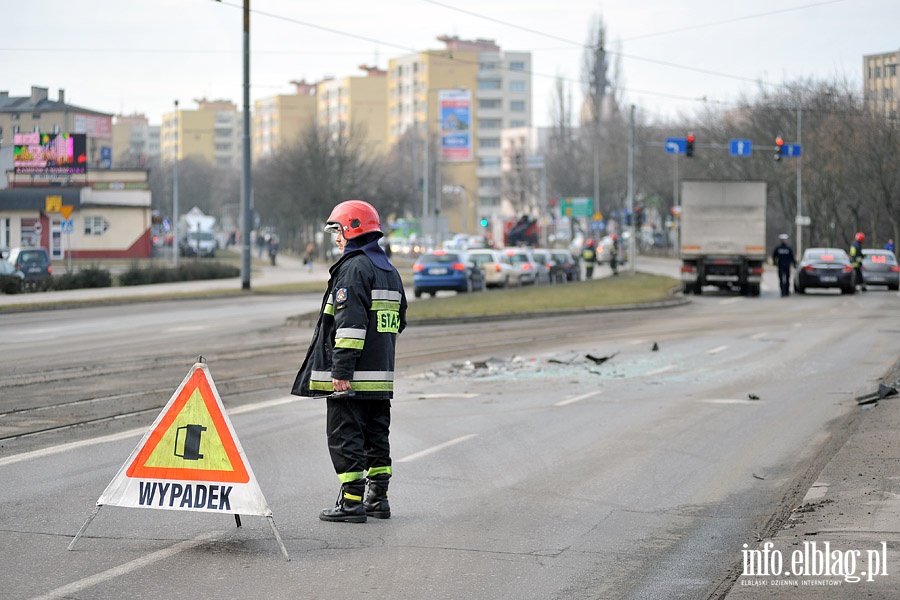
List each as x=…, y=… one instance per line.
x=827, y=255
x=6, y=268
x=518, y=259
x=203, y=236
x=480, y=259
x=32, y=258
x=446, y=257
x=879, y=258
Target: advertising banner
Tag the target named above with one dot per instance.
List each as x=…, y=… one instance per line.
x=455, y=110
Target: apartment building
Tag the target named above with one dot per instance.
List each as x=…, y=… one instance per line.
x=279, y=121
x=356, y=104
x=38, y=113
x=881, y=86
x=212, y=132
x=498, y=84
x=134, y=141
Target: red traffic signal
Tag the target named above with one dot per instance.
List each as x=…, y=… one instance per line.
x=779, y=148
x=689, y=147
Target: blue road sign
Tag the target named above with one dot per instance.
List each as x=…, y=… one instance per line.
x=792, y=150
x=741, y=147
x=676, y=145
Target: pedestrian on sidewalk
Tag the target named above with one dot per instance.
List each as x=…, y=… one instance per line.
x=309, y=255
x=350, y=361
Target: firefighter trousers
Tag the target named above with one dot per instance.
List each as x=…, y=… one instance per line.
x=358, y=433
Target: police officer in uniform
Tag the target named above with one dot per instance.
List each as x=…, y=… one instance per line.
x=351, y=361
x=783, y=258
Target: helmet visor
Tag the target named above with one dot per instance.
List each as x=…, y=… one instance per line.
x=333, y=228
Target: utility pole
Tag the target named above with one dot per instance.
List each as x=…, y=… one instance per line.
x=632, y=245
x=175, y=240
x=247, y=181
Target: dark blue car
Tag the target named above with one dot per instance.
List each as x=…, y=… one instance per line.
x=446, y=270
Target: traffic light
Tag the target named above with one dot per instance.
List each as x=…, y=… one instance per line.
x=689, y=148
x=779, y=148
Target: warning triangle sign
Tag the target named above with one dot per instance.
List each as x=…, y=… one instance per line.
x=190, y=459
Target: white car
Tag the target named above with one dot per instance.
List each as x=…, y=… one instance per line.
x=498, y=269
x=528, y=270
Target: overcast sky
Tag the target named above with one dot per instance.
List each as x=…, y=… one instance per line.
x=139, y=57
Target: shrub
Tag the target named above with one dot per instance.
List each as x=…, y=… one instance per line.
x=91, y=277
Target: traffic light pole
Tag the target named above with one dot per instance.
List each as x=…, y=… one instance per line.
x=799, y=191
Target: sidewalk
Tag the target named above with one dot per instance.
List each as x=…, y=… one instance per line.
x=288, y=269
x=846, y=533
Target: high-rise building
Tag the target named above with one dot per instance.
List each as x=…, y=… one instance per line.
x=881, y=84
x=491, y=87
x=212, y=132
x=279, y=121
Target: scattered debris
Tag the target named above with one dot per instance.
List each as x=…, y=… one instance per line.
x=753, y=396
x=599, y=359
x=884, y=391
x=655, y=347
x=758, y=476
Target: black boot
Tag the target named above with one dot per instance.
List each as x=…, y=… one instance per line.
x=376, y=503
x=349, y=507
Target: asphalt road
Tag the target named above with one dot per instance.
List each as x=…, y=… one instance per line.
x=524, y=468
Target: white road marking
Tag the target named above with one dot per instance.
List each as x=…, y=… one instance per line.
x=76, y=587
x=660, y=370
x=578, y=398
x=731, y=300
x=759, y=336
x=437, y=448
x=447, y=395
x=717, y=350
x=729, y=401
x=185, y=328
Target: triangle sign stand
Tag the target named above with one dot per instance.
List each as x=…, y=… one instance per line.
x=190, y=460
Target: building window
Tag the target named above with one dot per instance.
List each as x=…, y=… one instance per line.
x=489, y=161
x=516, y=65
x=15, y=116
x=489, y=182
x=489, y=143
x=95, y=225
x=517, y=106
x=487, y=104
x=490, y=123
x=517, y=123
x=891, y=70
x=489, y=84
x=517, y=86
x=488, y=66
x=36, y=116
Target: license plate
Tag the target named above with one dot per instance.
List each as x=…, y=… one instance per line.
x=828, y=279
x=438, y=271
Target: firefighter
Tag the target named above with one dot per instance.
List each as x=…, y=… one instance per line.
x=856, y=256
x=351, y=361
x=589, y=256
x=783, y=258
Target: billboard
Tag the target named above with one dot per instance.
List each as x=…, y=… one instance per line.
x=49, y=153
x=455, y=111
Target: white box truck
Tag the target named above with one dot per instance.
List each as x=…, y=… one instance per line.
x=723, y=235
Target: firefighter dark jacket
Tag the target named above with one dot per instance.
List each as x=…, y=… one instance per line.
x=363, y=311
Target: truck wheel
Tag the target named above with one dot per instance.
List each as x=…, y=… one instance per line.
x=417, y=293
x=698, y=289
x=754, y=289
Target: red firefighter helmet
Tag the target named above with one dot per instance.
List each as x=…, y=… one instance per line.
x=614, y=237
x=860, y=236
x=590, y=243
x=354, y=218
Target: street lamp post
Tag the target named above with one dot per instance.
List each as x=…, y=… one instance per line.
x=247, y=180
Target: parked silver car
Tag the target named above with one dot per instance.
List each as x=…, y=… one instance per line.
x=497, y=267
